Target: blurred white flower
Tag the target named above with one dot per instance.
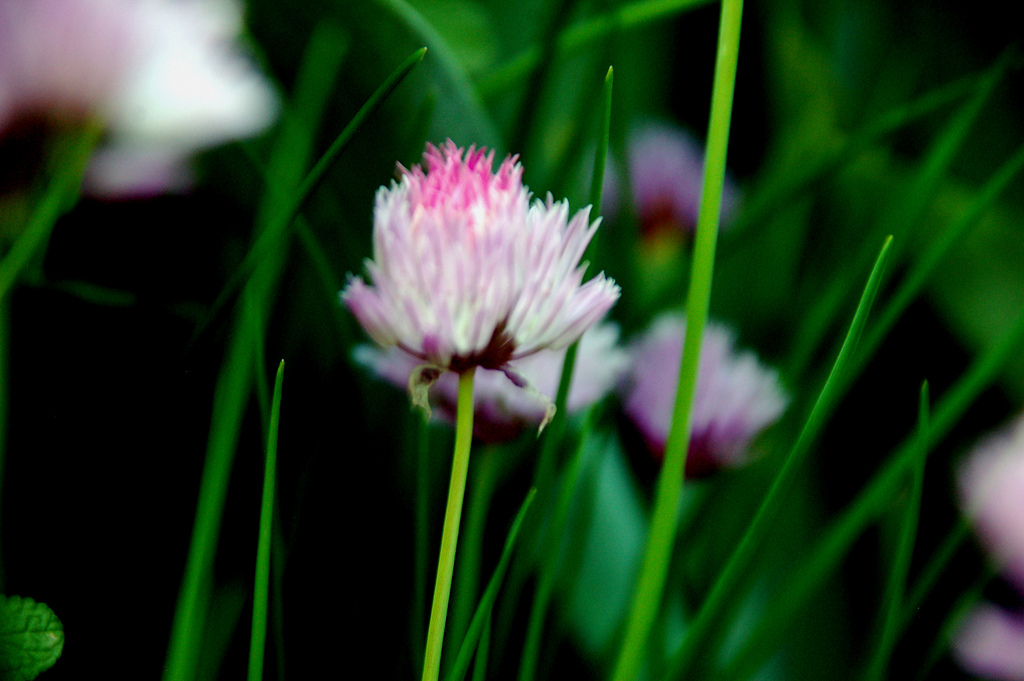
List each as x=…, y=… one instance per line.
x=166, y=78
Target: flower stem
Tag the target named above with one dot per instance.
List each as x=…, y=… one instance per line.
x=450, y=533
x=665, y=516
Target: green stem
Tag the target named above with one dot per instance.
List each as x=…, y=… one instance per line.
x=450, y=533
x=261, y=585
x=665, y=518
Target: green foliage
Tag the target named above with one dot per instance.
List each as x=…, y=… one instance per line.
x=31, y=638
x=852, y=121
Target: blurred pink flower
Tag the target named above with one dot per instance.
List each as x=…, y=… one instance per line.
x=165, y=78
x=990, y=643
x=467, y=272
x=666, y=174
x=503, y=410
x=991, y=485
x=736, y=397
x=990, y=640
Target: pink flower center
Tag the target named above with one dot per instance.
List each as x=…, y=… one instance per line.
x=454, y=185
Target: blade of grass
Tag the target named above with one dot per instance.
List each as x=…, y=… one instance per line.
x=664, y=517
x=267, y=241
x=278, y=556
x=585, y=33
x=261, y=587
x=735, y=567
x=289, y=159
x=265, y=401
x=892, y=602
x=901, y=220
x=483, y=610
x=482, y=653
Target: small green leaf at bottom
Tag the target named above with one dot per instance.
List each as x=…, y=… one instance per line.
x=31, y=638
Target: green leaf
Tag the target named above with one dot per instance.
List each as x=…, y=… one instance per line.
x=31, y=638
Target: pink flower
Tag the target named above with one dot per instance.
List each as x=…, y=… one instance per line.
x=990, y=640
x=990, y=643
x=736, y=396
x=666, y=174
x=164, y=77
x=467, y=272
x=503, y=410
x=991, y=487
